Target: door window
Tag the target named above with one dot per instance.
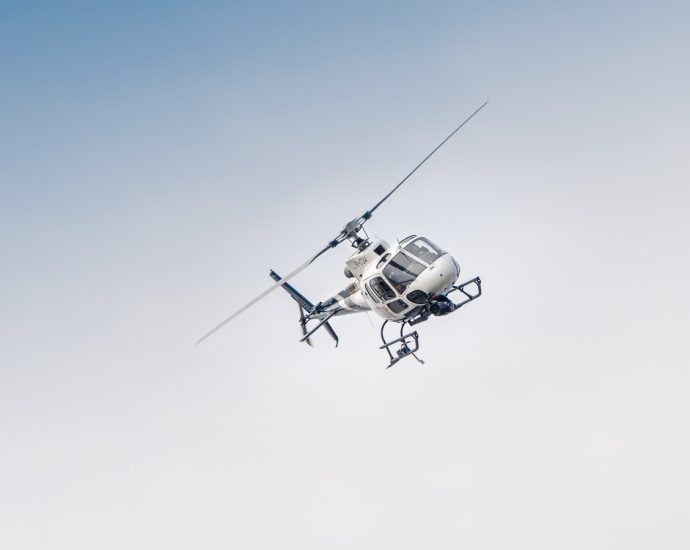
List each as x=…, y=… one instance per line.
x=381, y=289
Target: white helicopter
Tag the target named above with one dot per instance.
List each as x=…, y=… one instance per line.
x=406, y=282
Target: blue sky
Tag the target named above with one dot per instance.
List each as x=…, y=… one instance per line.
x=156, y=160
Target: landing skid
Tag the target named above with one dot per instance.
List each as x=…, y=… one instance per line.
x=409, y=344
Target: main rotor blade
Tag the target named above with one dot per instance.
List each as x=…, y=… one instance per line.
x=348, y=232
x=266, y=292
x=369, y=212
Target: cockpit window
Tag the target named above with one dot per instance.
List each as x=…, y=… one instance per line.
x=402, y=270
x=381, y=289
x=425, y=250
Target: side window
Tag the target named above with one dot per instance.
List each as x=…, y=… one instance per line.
x=381, y=289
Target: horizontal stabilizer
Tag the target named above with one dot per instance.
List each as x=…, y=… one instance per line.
x=301, y=300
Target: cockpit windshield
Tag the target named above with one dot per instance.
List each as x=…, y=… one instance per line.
x=425, y=250
x=402, y=270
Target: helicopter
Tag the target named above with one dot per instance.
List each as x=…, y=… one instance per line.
x=406, y=282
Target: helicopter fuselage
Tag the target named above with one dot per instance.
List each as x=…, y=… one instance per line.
x=395, y=281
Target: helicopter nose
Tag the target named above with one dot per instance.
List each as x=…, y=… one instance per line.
x=440, y=275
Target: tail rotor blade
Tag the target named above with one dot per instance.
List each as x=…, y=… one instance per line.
x=267, y=292
x=303, y=324
x=330, y=331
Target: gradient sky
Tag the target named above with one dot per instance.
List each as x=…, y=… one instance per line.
x=156, y=160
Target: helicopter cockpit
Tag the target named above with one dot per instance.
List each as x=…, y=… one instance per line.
x=414, y=256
